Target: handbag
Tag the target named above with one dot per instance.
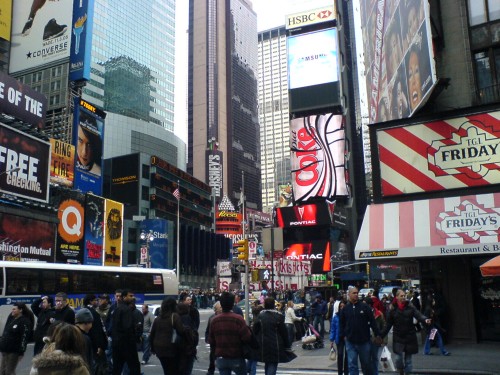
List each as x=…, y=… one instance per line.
x=333, y=354
x=176, y=338
x=309, y=337
x=385, y=360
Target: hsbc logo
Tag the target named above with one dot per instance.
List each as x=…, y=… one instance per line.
x=311, y=17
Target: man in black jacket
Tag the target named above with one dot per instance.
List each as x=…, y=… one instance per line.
x=356, y=318
x=97, y=333
x=125, y=336
x=63, y=311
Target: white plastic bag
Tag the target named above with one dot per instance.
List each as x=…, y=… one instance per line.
x=386, y=363
x=309, y=337
x=333, y=354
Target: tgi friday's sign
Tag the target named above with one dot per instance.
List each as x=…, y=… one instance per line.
x=446, y=154
x=462, y=225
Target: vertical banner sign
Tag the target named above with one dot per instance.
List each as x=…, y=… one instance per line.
x=27, y=240
x=113, y=233
x=70, y=231
x=158, y=248
x=94, y=230
x=62, y=163
x=41, y=33
x=88, y=135
x=81, y=40
x=318, y=157
x=24, y=165
x=215, y=172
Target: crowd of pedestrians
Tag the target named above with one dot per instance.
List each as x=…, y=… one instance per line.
x=359, y=328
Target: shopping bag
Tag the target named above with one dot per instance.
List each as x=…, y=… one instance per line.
x=309, y=337
x=386, y=363
x=333, y=354
x=432, y=334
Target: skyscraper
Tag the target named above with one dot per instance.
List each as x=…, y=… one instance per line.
x=222, y=98
x=273, y=114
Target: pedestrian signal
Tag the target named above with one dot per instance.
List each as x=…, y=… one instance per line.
x=242, y=249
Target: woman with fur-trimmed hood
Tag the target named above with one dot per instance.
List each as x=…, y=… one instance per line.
x=64, y=355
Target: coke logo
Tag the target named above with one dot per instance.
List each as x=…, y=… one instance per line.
x=307, y=150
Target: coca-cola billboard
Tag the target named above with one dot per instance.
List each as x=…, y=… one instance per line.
x=318, y=157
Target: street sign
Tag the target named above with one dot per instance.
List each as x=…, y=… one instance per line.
x=239, y=268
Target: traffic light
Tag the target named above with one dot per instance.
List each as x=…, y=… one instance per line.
x=242, y=249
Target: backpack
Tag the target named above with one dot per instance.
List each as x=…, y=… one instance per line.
x=190, y=338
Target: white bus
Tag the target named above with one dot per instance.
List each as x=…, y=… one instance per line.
x=27, y=281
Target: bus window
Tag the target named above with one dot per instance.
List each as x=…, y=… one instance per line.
x=83, y=281
x=22, y=281
x=142, y=283
x=54, y=281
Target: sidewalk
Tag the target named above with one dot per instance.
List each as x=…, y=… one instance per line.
x=477, y=359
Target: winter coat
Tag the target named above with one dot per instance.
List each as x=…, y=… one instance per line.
x=356, y=321
x=335, y=329
x=404, y=336
x=15, y=335
x=57, y=362
x=66, y=314
x=161, y=335
x=272, y=336
x=43, y=320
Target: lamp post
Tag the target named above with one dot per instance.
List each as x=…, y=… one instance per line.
x=148, y=237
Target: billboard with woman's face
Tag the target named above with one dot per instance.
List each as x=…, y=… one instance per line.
x=398, y=57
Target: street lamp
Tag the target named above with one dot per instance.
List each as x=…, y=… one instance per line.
x=148, y=237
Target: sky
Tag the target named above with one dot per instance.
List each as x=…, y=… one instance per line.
x=270, y=13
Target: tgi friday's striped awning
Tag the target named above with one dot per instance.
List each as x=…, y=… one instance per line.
x=466, y=225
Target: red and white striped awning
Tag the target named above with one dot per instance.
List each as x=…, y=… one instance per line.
x=467, y=225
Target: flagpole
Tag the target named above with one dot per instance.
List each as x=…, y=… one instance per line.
x=178, y=239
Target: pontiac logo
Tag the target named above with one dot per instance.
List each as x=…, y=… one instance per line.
x=476, y=152
x=469, y=220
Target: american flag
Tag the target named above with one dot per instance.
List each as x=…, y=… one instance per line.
x=177, y=194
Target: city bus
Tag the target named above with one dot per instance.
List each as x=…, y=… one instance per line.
x=27, y=281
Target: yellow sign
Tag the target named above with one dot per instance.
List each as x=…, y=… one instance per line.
x=62, y=163
x=311, y=17
x=5, y=19
x=113, y=237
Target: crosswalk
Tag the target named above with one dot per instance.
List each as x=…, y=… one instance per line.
x=199, y=371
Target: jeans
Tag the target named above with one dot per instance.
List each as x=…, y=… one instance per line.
x=342, y=365
x=227, y=365
x=375, y=352
x=439, y=341
x=319, y=324
x=398, y=362
x=252, y=367
x=146, y=347
x=9, y=363
x=290, y=328
x=363, y=352
x=270, y=368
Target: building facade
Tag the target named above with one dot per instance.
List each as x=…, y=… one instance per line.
x=223, y=131
x=273, y=115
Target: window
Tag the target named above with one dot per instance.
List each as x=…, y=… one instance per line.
x=144, y=193
x=145, y=171
x=481, y=11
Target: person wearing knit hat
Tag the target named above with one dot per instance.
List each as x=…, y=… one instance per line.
x=84, y=321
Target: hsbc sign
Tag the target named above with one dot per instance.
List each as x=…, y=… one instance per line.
x=310, y=17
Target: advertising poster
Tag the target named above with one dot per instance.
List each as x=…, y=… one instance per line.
x=125, y=182
x=62, y=163
x=313, y=58
x=399, y=61
x=16, y=245
x=215, y=171
x=158, y=247
x=5, y=19
x=94, y=230
x=113, y=233
x=317, y=252
x=318, y=157
x=81, y=40
x=448, y=153
x=88, y=135
x=24, y=165
x=70, y=231
x=22, y=101
x=41, y=33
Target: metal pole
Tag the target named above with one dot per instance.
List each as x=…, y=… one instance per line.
x=272, y=260
x=245, y=262
x=178, y=238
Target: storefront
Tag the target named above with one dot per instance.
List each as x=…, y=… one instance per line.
x=446, y=240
